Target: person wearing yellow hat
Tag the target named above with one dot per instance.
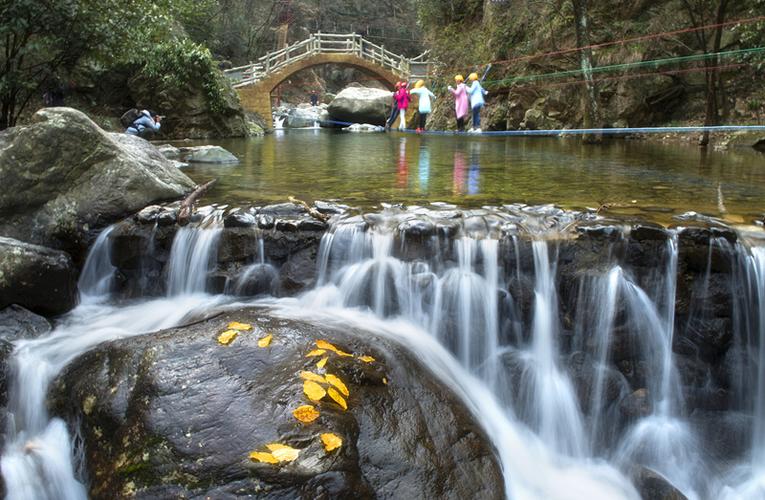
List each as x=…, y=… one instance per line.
x=424, y=106
x=460, y=101
x=476, y=93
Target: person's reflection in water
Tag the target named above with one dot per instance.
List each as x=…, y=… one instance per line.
x=473, y=183
x=402, y=173
x=458, y=175
x=424, y=168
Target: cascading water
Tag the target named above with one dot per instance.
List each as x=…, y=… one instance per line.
x=96, y=279
x=40, y=459
x=546, y=387
x=192, y=256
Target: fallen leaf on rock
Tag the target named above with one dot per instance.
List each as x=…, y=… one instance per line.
x=337, y=397
x=227, y=337
x=265, y=341
x=385, y=381
x=322, y=362
x=313, y=376
x=282, y=452
x=306, y=413
x=315, y=352
x=337, y=383
x=367, y=359
x=323, y=344
x=235, y=325
x=313, y=390
x=264, y=457
x=331, y=441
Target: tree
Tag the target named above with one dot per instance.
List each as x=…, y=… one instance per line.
x=591, y=97
x=705, y=13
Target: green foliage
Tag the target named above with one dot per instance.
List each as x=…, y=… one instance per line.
x=173, y=64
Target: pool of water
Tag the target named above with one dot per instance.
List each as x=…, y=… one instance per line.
x=633, y=177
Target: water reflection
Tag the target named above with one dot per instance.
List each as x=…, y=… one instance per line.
x=424, y=168
x=366, y=169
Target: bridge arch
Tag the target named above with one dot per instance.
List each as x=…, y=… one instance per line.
x=256, y=96
x=255, y=81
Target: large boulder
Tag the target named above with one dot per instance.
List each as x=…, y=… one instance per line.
x=306, y=117
x=176, y=414
x=38, y=278
x=361, y=105
x=64, y=178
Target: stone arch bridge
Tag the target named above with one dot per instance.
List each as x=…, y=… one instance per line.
x=255, y=82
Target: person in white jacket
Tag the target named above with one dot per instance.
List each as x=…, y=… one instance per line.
x=423, y=106
x=476, y=93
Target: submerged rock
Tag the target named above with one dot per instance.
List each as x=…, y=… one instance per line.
x=208, y=154
x=64, y=178
x=176, y=414
x=38, y=278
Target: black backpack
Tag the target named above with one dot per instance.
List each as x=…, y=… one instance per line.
x=130, y=117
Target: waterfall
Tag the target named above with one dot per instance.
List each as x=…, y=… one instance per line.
x=192, y=256
x=257, y=278
x=97, y=276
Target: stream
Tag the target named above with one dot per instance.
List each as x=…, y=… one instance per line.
x=511, y=358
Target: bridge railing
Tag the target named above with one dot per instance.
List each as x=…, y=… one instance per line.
x=322, y=43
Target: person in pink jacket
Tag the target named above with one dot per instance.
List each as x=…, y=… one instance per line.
x=402, y=101
x=460, y=102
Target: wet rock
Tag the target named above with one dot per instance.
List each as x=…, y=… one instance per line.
x=209, y=154
x=237, y=244
x=167, y=218
x=149, y=214
x=361, y=105
x=636, y=405
x=330, y=208
x=652, y=485
x=311, y=225
x=305, y=117
x=169, y=151
x=175, y=414
x=17, y=322
x=38, y=278
x=266, y=221
x=239, y=219
x=287, y=225
x=283, y=209
x=648, y=232
x=724, y=435
x=64, y=179
x=299, y=272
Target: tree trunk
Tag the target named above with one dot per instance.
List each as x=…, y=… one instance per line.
x=712, y=114
x=591, y=98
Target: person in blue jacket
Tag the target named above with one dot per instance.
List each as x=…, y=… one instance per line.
x=476, y=93
x=146, y=125
x=423, y=106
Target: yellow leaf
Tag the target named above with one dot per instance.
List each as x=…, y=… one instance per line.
x=337, y=397
x=337, y=383
x=227, y=337
x=323, y=344
x=385, y=381
x=264, y=457
x=331, y=441
x=276, y=446
x=322, y=362
x=345, y=354
x=315, y=352
x=283, y=453
x=286, y=454
x=366, y=359
x=265, y=341
x=313, y=390
x=312, y=376
x=234, y=325
x=306, y=413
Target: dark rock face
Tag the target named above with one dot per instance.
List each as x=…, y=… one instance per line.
x=64, y=178
x=35, y=277
x=175, y=414
x=189, y=111
x=652, y=485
